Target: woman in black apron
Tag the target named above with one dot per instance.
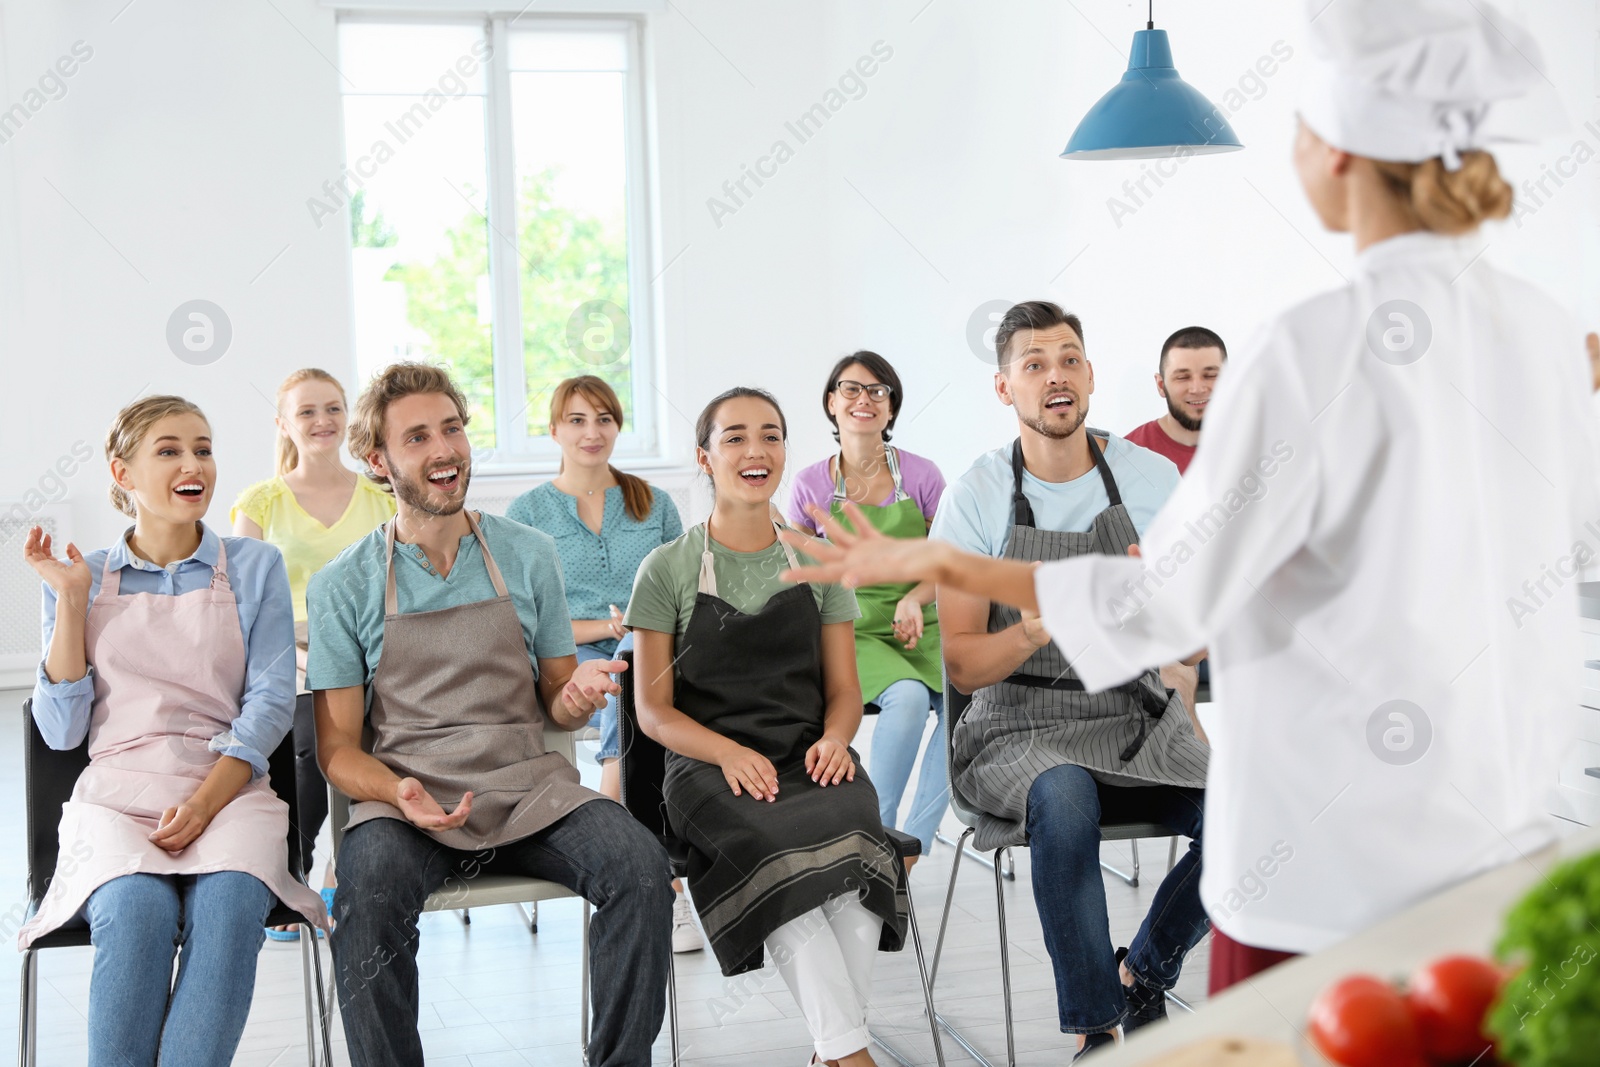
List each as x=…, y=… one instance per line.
x=751, y=686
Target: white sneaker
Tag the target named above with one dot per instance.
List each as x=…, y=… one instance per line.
x=686, y=936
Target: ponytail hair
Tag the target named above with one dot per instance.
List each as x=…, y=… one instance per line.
x=1450, y=202
x=288, y=455
x=128, y=431
x=637, y=496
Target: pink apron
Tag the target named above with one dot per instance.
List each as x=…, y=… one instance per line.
x=169, y=672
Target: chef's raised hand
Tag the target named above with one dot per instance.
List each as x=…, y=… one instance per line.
x=70, y=578
x=586, y=691
x=748, y=771
x=864, y=557
x=180, y=826
x=828, y=762
x=424, y=812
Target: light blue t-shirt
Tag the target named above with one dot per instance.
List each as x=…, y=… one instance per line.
x=975, y=513
x=345, y=598
x=598, y=568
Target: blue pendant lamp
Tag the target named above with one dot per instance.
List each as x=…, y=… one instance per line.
x=1151, y=113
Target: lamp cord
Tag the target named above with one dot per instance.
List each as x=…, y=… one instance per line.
x=1150, y=19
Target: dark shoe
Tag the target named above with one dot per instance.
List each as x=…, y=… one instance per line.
x=1146, y=1004
x=1091, y=1042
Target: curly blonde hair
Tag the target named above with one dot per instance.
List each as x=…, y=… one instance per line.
x=369, y=426
x=128, y=431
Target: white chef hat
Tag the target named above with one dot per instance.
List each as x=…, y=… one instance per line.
x=1407, y=80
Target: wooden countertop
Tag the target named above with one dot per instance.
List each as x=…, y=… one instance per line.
x=1465, y=918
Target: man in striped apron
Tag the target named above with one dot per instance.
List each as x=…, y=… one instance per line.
x=1043, y=760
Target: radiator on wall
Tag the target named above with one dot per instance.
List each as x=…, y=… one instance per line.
x=20, y=647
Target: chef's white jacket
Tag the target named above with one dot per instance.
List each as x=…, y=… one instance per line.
x=1379, y=541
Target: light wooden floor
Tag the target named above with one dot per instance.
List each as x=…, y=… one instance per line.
x=495, y=995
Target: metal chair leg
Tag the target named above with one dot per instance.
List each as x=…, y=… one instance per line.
x=927, y=981
x=1172, y=855
x=949, y=898
x=584, y=1015
x=1180, y=1002
x=1005, y=962
x=1133, y=878
x=975, y=856
x=927, y=995
x=938, y=948
x=308, y=945
x=672, y=1009
x=324, y=1011
x=26, y=1009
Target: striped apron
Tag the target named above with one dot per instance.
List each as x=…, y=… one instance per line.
x=1136, y=734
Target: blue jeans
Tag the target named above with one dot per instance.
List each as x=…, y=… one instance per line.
x=388, y=868
x=902, y=717
x=213, y=922
x=1065, y=808
x=606, y=717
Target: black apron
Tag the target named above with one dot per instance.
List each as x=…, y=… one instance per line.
x=1136, y=734
x=753, y=865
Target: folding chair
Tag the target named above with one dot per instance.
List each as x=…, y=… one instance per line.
x=643, y=771
x=955, y=706
x=487, y=890
x=49, y=777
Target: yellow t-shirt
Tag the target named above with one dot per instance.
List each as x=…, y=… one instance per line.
x=306, y=544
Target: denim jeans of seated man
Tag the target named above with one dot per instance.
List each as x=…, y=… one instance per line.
x=136, y=922
x=388, y=868
x=1065, y=808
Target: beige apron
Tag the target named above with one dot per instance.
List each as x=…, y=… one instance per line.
x=169, y=672
x=455, y=705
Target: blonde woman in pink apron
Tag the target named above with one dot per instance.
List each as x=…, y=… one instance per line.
x=173, y=652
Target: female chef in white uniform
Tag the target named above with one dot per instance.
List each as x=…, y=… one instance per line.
x=1379, y=541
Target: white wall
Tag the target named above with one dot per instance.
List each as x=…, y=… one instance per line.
x=178, y=162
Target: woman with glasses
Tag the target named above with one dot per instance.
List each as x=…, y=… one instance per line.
x=897, y=636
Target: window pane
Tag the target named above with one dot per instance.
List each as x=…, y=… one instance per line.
x=571, y=171
x=569, y=50
x=419, y=244
x=377, y=57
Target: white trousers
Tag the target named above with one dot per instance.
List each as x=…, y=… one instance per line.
x=825, y=957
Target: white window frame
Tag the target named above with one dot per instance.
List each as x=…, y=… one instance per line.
x=517, y=452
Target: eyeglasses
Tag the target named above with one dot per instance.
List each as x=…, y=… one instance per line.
x=850, y=390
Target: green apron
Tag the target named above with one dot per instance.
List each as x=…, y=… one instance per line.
x=881, y=659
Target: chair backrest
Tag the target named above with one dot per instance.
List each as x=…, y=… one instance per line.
x=955, y=706
x=50, y=774
x=642, y=760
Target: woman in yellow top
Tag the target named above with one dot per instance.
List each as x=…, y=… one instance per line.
x=311, y=509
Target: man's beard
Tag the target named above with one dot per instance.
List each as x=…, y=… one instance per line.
x=1180, y=418
x=415, y=494
x=1038, y=425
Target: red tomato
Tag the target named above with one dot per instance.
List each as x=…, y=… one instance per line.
x=1448, y=999
x=1362, y=1021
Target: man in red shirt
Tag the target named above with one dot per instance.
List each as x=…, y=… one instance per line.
x=1191, y=362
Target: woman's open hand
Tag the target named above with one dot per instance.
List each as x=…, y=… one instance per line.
x=748, y=771
x=828, y=762
x=70, y=578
